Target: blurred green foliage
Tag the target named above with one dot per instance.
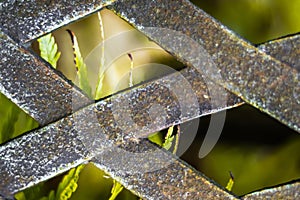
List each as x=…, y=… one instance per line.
x=256, y=20
x=14, y=121
x=254, y=166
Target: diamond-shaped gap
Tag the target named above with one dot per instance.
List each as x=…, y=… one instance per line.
x=150, y=62
x=14, y=121
x=258, y=151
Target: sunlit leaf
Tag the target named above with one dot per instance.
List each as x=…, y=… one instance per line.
x=169, y=138
x=68, y=185
x=230, y=182
x=99, y=86
x=81, y=68
x=116, y=189
x=48, y=49
x=156, y=138
x=131, y=70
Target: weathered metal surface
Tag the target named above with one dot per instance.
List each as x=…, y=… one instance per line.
x=102, y=128
x=257, y=78
x=162, y=175
x=35, y=87
x=286, y=49
x=145, y=95
x=289, y=191
x=26, y=20
x=39, y=155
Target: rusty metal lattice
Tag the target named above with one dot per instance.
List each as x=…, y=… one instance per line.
x=47, y=97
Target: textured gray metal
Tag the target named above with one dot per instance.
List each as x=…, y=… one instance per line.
x=94, y=132
x=37, y=156
x=175, y=180
x=26, y=20
x=289, y=191
x=257, y=78
x=34, y=86
x=98, y=130
x=285, y=49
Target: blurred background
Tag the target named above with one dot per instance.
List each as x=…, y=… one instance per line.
x=257, y=150
x=256, y=20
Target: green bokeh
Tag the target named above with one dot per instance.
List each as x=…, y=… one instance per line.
x=14, y=121
x=256, y=20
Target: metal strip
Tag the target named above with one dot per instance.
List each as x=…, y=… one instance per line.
x=35, y=87
x=37, y=156
x=102, y=130
x=21, y=168
x=52, y=144
x=287, y=191
x=285, y=49
x=44, y=104
x=257, y=78
x=26, y=20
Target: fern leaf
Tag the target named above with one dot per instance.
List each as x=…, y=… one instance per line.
x=68, y=185
x=131, y=70
x=230, y=182
x=167, y=141
x=116, y=189
x=98, y=92
x=156, y=138
x=177, y=136
x=48, y=49
x=81, y=67
x=99, y=86
x=169, y=138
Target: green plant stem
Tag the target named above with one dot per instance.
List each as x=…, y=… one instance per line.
x=116, y=189
x=99, y=86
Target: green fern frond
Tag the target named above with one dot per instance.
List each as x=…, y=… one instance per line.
x=65, y=189
x=161, y=140
x=81, y=68
x=116, y=189
x=98, y=92
x=131, y=70
x=48, y=49
x=167, y=141
x=156, y=138
x=68, y=185
x=99, y=86
x=230, y=182
x=169, y=138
